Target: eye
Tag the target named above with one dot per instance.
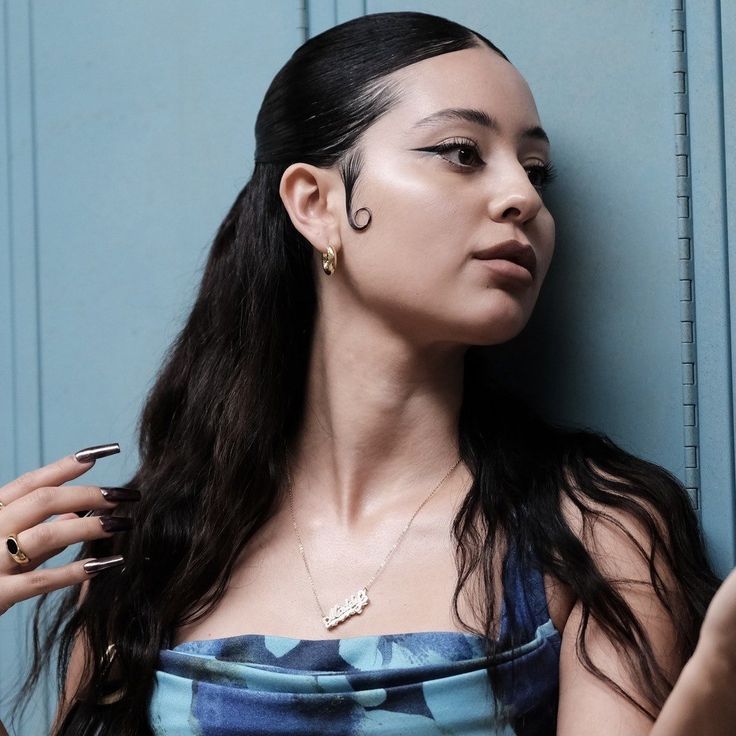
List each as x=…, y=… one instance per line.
x=540, y=175
x=462, y=153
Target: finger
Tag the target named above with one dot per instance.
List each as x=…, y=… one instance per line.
x=55, y=473
x=45, y=540
x=38, y=505
x=36, y=562
x=18, y=588
x=67, y=516
x=39, y=560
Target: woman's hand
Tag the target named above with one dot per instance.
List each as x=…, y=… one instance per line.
x=27, y=539
x=717, y=640
x=702, y=699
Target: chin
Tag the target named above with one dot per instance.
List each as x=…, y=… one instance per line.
x=495, y=334
x=491, y=332
x=499, y=325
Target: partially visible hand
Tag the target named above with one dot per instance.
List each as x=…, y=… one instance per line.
x=718, y=633
x=27, y=503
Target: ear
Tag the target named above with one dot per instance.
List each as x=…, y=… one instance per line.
x=310, y=195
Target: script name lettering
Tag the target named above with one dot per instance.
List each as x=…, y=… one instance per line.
x=341, y=611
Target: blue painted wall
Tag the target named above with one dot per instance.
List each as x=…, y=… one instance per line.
x=127, y=132
x=128, y=129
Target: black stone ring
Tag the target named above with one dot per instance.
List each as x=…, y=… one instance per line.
x=16, y=552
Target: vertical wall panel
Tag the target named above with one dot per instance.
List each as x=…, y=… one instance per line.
x=347, y=9
x=7, y=398
x=324, y=14
x=710, y=251
x=728, y=72
x=20, y=249
x=320, y=16
x=8, y=622
x=19, y=368
x=129, y=132
x=140, y=154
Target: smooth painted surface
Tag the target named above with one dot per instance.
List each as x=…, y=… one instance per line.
x=728, y=88
x=7, y=296
x=19, y=377
x=713, y=268
x=128, y=130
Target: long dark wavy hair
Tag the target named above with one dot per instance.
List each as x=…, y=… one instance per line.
x=227, y=403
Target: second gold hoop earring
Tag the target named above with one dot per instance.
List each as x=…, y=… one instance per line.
x=329, y=260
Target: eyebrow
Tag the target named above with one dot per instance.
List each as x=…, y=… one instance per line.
x=479, y=117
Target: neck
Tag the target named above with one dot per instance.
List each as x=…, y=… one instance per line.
x=380, y=425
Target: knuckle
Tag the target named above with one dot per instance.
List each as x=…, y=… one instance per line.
x=44, y=535
x=39, y=580
x=44, y=496
x=26, y=480
x=92, y=529
x=93, y=494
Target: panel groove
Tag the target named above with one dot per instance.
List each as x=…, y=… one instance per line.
x=20, y=241
x=685, y=251
x=9, y=451
x=35, y=232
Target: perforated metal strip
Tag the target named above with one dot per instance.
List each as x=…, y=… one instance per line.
x=303, y=18
x=685, y=248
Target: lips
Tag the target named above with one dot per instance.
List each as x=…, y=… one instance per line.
x=511, y=250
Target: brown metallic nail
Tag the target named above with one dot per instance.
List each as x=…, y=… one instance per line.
x=116, y=523
x=90, y=454
x=121, y=494
x=103, y=563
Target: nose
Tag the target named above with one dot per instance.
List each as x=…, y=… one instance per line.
x=515, y=199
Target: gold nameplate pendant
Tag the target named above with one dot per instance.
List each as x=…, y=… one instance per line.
x=352, y=605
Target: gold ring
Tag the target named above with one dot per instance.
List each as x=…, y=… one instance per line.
x=16, y=552
x=1, y=505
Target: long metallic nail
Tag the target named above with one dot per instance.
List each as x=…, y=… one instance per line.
x=115, y=523
x=121, y=494
x=90, y=454
x=103, y=563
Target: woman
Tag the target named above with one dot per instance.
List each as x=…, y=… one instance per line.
x=343, y=528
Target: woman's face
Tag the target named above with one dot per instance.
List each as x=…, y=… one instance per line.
x=442, y=189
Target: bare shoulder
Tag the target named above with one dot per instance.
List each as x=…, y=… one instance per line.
x=621, y=546
x=604, y=531
x=560, y=600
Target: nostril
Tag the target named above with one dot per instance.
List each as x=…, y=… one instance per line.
x=512, y=212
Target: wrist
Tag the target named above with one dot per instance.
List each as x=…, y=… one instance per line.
x=702, y=699
x=714, y=660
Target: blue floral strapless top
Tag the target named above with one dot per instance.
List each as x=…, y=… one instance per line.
x=429, y=683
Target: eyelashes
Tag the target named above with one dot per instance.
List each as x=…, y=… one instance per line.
x=546, y=173
x=540, y=175
x=458, y=145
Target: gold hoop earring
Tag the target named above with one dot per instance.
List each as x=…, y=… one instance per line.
x=329, y=260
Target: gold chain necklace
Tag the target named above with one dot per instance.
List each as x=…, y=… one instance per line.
x=358, y=601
